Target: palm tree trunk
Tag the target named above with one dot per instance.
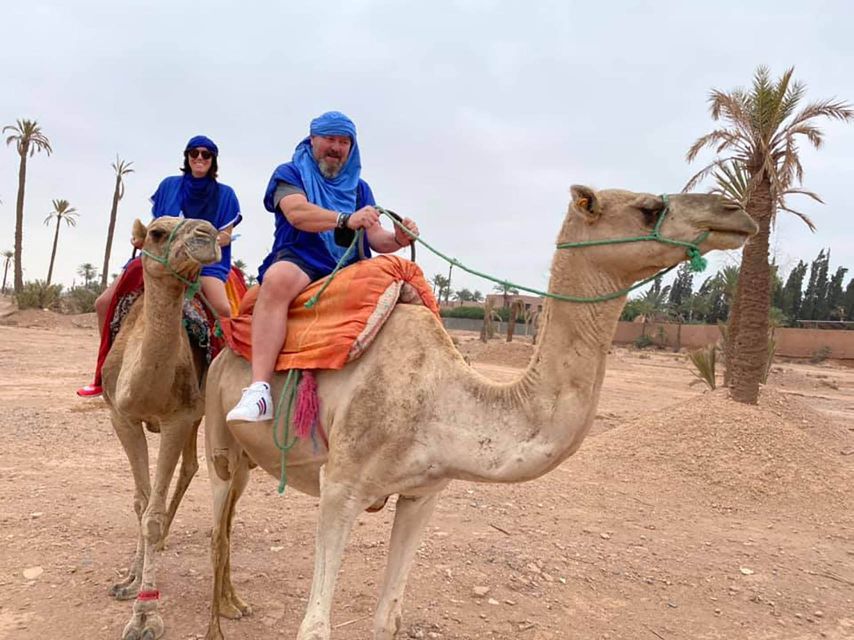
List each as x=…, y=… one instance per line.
x=732, y=332
x=5, y=271
x=110, y=230
x=753, y=301
x=19, y=220
x=53, y=252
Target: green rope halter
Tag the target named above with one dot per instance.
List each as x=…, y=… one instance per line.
x=192, y=286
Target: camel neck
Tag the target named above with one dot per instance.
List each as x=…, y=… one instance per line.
x=536, y=422
x=162, y=332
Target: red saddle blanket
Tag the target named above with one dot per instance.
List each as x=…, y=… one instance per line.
x=346, y=317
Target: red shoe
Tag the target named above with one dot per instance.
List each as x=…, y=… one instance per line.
x=90, y=391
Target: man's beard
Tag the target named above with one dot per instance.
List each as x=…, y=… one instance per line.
x=328, y=170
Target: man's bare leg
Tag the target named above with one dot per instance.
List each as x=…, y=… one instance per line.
x=282, y=283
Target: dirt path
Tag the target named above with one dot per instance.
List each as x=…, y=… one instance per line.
x=682, y=519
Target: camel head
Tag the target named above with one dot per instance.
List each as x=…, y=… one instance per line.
x=176, y=246
x=709, y=221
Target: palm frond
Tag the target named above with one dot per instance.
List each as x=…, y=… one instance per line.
x=802, y=216
x=703, y=173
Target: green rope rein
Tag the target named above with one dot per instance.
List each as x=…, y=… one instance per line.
x=698, y=262
x=287, y=401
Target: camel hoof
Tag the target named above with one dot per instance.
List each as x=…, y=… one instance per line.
x=235, y=609
x=147, y=627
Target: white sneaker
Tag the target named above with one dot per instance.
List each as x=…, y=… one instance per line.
x=256, y=405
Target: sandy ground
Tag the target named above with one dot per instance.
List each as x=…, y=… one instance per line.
x=684, y=516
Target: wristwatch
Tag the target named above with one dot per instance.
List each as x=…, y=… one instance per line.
x=341, y=223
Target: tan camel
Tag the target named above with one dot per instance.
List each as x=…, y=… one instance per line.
x=410, y=415
x=153, y=376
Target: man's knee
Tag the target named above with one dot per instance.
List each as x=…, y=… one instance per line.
x=283, y=282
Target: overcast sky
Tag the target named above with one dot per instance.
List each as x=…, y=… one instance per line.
x=473, y=117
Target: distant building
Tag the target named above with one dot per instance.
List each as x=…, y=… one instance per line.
x=532, y=303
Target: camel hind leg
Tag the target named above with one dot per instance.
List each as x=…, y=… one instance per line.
x=189, y=468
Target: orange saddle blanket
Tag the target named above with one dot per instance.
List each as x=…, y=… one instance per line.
x=346, y=317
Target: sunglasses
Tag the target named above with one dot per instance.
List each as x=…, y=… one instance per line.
x=195, y=153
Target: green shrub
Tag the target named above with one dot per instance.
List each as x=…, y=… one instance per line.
x=704, y=361
x=643, y=341
x=463, y=312
x=39, y=295
x=79, y=300
x=820, y=355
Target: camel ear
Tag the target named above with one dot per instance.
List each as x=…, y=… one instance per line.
x=139, y=231
x=585, y=202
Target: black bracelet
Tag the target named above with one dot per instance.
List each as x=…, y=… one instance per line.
x=341, y=223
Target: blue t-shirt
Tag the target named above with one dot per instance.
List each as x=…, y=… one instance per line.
x=166, y=201
x=313, y=248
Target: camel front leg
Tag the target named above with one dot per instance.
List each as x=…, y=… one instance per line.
x=189, y=468
x=410, y=518
x=340, y=505
x=145, y=622
x=133, y=441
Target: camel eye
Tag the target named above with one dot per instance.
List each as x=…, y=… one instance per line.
x=157, y=234
x=650, y=215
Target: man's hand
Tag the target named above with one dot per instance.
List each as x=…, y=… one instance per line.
x=365, y=218
x=223, y=238
x=137, y=243
x=400, y=236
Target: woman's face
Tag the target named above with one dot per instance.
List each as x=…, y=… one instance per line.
x=200, y=161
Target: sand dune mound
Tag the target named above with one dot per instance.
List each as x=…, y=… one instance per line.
x=728, y=455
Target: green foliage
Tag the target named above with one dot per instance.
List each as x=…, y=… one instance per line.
x=475, y=313
x=39, y=295
x=80, y=300
x=643, y=341
x=820, y=355
x=704, y=361
x=772, y=349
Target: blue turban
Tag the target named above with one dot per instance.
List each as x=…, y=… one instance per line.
x=204, y=142
x=333, y=123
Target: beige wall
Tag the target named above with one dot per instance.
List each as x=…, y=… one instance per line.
x=793, y=343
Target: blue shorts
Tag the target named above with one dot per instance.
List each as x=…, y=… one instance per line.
x=286, y=255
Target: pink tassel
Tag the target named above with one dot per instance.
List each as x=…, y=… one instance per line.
x=308, y=406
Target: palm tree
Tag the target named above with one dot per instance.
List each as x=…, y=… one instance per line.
x=505, y=290
x=28, y=138
x=61, y=211
x=122, y=168
x=87, y=272
x=240, y=264
x=8, y=256
x=760, y=135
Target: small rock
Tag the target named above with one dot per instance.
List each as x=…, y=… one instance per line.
x=480, y=592
x=605, y=536
x=818, y=614
x=33, y=572
x=276, y=549
x=493, y=602
x=746, y=571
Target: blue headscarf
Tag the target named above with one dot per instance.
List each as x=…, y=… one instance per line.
x=204, y=142
x=200, y=196
x=338, y=193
